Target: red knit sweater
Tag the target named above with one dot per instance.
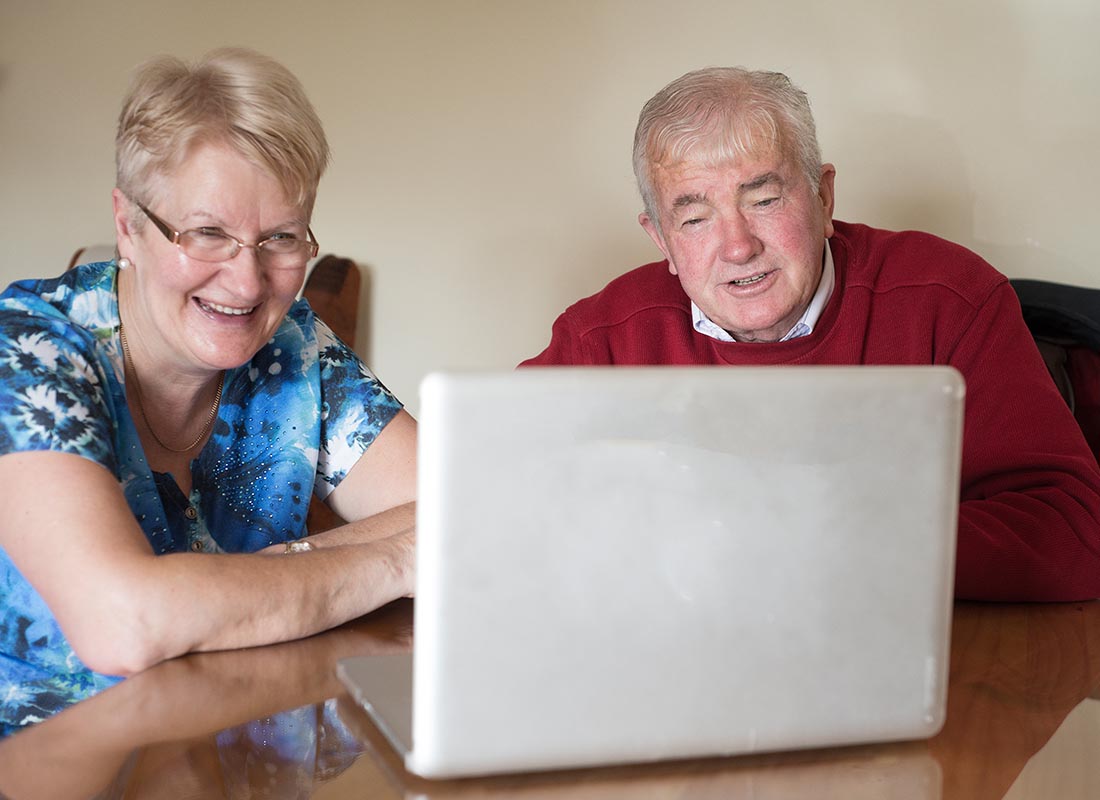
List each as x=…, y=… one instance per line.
x=1029, y=520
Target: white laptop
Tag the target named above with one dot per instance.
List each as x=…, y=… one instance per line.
x=633, y=564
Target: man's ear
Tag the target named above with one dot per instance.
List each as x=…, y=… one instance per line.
x=654, y=232
x=825, y=194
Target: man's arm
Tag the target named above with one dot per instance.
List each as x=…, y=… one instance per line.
x=1029, y=521
x=564, y=348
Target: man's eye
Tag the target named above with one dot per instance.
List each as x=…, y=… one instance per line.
x=767, y=201
x=212, y=232
x=692, y=221
x=282, y=236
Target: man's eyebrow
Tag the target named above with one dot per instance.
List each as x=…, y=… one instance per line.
x=760, y=180
x=689, y=200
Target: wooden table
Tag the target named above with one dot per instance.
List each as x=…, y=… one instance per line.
x=1023, y=722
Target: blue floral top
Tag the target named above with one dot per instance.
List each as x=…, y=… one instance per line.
x=292, y=422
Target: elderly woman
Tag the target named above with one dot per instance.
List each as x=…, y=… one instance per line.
x=165, y=417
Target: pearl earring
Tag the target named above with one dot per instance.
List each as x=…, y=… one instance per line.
x=124, y=263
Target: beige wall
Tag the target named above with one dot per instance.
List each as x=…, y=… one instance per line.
x=482, y=149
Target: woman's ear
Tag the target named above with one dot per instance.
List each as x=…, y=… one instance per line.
x=123, y=234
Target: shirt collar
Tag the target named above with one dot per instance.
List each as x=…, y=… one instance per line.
x=805, y=324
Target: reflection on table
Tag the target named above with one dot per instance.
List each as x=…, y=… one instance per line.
x=273, y=722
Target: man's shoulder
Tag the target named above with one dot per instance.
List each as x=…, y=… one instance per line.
x=884, y=261
x=645, y=288
x=640, y=317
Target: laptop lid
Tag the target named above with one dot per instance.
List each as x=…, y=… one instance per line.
x=632, y=564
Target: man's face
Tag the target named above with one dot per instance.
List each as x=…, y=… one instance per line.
x=745, y=238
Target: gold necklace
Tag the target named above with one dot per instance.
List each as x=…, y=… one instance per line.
x=210, y=417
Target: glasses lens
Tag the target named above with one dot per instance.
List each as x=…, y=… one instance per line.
x=286, y=253
x=204, y=244
x=207, y=245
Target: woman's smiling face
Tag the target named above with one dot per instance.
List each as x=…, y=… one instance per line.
x=200, y=316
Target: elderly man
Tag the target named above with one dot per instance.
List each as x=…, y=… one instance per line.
x=757, y=272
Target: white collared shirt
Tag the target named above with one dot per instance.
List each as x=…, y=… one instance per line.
x=805, y=324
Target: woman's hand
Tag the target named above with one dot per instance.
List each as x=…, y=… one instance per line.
x=391, y=522
x=123, y=609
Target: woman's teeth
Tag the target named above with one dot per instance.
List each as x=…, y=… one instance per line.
x=235, y=312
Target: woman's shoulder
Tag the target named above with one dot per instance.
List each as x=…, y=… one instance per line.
x=83, y=298
x=56, y=379
x=45, y=322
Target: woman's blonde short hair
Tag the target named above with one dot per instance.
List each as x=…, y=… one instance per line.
x=234, y=96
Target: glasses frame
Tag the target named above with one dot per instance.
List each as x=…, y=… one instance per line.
x=173, y=236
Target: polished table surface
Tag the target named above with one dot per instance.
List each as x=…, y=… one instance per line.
x=1023, y=721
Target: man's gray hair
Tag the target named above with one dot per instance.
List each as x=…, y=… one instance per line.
x=716, y=114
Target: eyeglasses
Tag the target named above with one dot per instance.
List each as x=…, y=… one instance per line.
x=281, y=251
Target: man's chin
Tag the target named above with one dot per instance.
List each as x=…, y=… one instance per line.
x=762, y=330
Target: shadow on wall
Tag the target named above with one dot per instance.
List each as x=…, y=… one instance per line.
x=913, y=175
